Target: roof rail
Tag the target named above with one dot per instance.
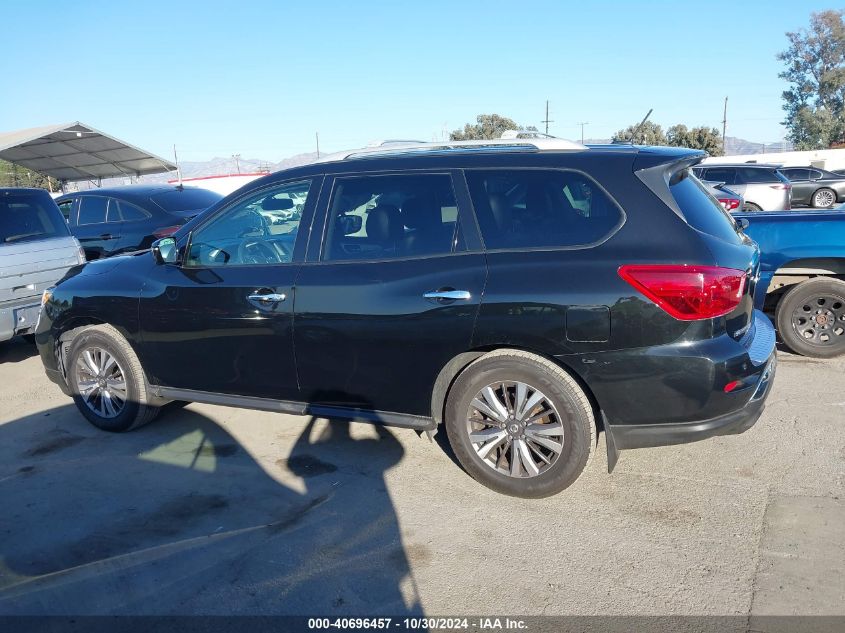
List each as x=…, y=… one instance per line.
x=514, y=145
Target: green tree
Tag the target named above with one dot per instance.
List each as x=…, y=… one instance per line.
x=649, y=134
x=13, y=176
x=487, y=126
x=815, y=70
x=702, y=137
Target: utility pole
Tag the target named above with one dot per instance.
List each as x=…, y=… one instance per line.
x=582, y=124
x=724, y=126
x=317, y=135
x=546, y=120
x=237, y=162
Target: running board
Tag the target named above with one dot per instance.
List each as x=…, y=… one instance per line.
x=385, y=418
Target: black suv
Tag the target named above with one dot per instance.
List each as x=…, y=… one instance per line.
x=525, y=294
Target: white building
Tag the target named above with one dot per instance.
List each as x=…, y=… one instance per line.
x=821, y=158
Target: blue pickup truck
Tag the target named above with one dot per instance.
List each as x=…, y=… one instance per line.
x=802, y=276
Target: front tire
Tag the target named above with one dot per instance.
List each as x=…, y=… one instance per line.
x=824, y=198
x=811, y=318
x=107, y=381
x=519, y=424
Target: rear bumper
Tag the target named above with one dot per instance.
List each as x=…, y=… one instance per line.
x=624, y=436
x=19, y=318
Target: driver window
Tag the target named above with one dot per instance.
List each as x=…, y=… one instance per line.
x=258, y=230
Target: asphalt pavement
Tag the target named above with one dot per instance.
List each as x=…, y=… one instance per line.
x=213, y=510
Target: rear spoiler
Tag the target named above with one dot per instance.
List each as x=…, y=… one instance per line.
x=658, y=171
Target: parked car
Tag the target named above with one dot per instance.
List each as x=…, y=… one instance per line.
x=762, y=187
x=729, y=200
x=815, y=187
x=36, y=250
x=802, y=277
x=524, y=294
x=124, y=219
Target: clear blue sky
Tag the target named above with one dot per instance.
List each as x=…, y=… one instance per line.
x=259, y=78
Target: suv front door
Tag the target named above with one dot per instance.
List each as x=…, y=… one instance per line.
x=221, y=320
x=385, y=301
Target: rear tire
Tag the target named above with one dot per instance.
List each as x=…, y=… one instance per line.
x=107, y=381
x=811, y=318
x=824, y=198
x=750, y=206
x=519, y=424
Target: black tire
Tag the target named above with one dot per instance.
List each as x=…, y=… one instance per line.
x=561, y=391
x=750, y=206
x=29, y=338
x=810, y=300
x=828, y=194
x=136, y=409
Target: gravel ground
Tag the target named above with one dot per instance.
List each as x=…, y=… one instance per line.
x=224, y=511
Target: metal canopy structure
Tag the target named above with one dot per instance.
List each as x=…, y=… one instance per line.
x=76, y=151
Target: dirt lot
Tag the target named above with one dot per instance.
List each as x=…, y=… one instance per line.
x=226, y=511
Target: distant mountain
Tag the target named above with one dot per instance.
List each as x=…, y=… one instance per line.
x=227, y=166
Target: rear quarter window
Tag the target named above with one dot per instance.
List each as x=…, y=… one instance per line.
x=28, y=217
x=701, y=210
x=532, y=208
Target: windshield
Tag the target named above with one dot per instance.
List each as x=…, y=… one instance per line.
x=188, y=199
x=27, y=216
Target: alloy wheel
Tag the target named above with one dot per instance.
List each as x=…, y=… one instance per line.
x=824, y=199
x=100, y=382
x=515, y=429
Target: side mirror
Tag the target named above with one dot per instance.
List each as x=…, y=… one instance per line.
x=349, y=224
x=164, y=250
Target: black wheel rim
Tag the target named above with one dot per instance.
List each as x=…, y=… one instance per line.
x=820, y=320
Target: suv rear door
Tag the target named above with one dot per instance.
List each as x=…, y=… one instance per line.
x=389, y=293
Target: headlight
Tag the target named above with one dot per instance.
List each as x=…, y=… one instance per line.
x=46, y=296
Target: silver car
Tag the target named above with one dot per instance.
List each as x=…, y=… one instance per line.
x=762, y=186
x=36, y=250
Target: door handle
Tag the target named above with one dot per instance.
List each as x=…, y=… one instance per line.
x=273, y=297
x=448, y=295
x=107, y=236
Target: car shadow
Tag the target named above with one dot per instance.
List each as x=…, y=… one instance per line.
x=178, y=517
x=16, y=350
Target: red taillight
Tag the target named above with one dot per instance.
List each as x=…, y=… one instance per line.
x=733, y=384
x=729, y=204
x=165, y=231
x=688, y=293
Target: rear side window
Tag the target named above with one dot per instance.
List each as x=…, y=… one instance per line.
x=796, y=174
x=720, y=174
x=381, y=217
x=26, y=217
x=129, y=212
x=702, y=210
x=531, y=208
x=185, y=199
x=752, y=175
x=92, y=210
